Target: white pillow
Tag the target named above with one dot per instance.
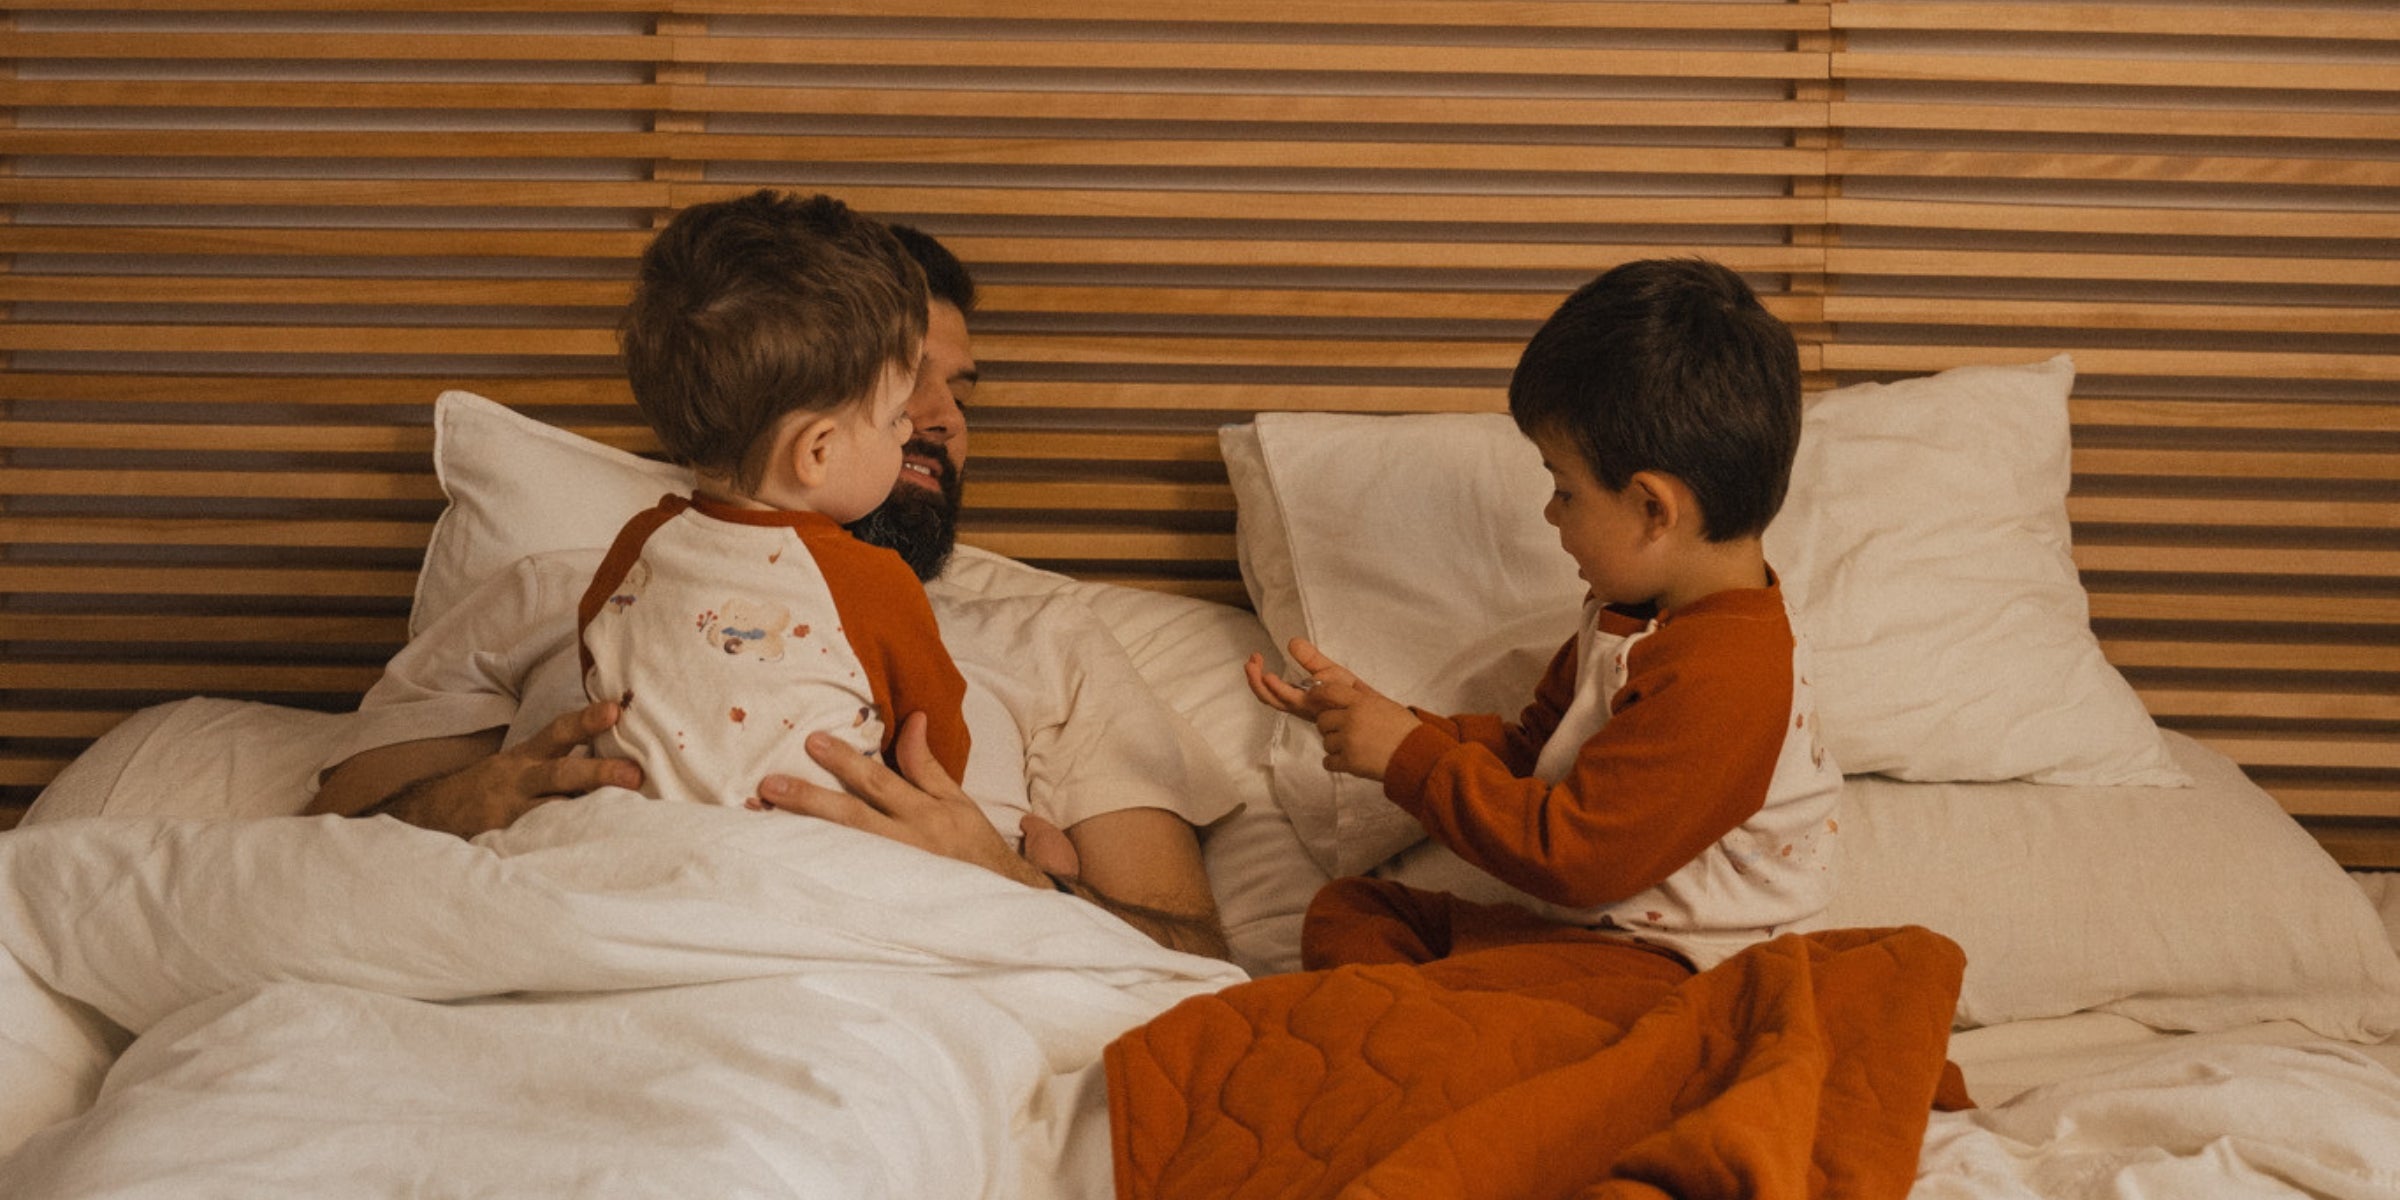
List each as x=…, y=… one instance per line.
x=2194, y=908
x=1924, y=545
x=516, y=487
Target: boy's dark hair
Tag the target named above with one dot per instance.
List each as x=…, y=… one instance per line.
x=750, y=308
x=946, y=278
x=1670, y=365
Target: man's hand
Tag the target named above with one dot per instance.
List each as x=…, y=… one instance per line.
x=926, y=808
x=1149, y=855
x=1362, y=727
x=486, y=792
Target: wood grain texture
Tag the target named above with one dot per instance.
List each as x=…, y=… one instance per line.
x=243, y=246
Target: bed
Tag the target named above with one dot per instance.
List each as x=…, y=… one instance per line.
x=2169, y=989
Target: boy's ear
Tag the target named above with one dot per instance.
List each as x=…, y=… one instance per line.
x=812, y=449
x=1664, y=502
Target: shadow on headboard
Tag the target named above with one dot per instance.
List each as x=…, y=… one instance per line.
x=248, y=245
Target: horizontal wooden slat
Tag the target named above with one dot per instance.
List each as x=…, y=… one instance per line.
x=127, y=435
x=2270, y=704
x=163, y=627
x=2050, y=265
x=309, y=339
x=294, y=290
x=1320, y=57
x=2314, y=122
x=2232, y=560
x=2306, y=750
x=1058, y=446
x=2146, y=168
x=2245, y=511
x=176, y=531
x=256, y=194
x=279, y=485
x=2156, y=220
x=1100, y=497
x=30, y=770
x=2320, y=799
x=1259, y=106
x=2256, y=415
x=2109, y=360
x=2241, y=464
x=198, y=678
x=2113, y=315
x=1002, y=393
x=60, y=723
x=278, y=390
x=278, y=582
x=1555, y=13
x=2295, y=75
x=352, y=94
x=2231, y=655
x=335, y=144
x=2249, y=23
x=322, y=242
x=515, y=46
x=2281, y=609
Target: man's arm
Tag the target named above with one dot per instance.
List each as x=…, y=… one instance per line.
x=1141, y=864
x=466, y=784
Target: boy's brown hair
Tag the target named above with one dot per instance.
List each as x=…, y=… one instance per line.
x=1671, y=365
x=751, y=308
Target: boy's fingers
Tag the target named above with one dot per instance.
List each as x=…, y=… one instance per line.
x=1310, y=658
x=1271, y=690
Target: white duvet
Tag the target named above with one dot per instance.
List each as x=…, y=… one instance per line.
x=615, y=997
x=2198, y=1121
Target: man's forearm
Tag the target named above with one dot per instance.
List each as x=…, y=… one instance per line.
x=434, y=803
x=1191, y=934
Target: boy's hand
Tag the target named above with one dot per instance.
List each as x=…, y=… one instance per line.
x=1297, y=699
x=1362, y=727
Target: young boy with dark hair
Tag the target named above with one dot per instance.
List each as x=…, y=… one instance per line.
x=772, y=343
x=1667, y=782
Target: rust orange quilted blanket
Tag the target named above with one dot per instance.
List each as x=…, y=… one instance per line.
x=1803, y=1067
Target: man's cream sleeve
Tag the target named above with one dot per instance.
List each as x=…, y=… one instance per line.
x=1097, y=738
x=502, y=657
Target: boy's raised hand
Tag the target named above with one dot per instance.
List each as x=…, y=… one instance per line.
x=1362, y=727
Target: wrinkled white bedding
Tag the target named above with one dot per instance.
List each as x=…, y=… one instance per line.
x=615, y=997
x=2202, y=1120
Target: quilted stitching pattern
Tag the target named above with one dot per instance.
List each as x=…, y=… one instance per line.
x=1801, y=1068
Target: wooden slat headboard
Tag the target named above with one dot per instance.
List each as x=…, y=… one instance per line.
x=246, y=244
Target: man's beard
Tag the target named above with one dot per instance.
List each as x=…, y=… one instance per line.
x=918, y=524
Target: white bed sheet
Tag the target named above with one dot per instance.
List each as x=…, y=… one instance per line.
x=2095, y=1106
x=613, y=997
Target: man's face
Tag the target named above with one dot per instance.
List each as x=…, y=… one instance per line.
x=920, y=520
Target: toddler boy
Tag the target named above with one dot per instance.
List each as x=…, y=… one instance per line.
x=772, y=343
